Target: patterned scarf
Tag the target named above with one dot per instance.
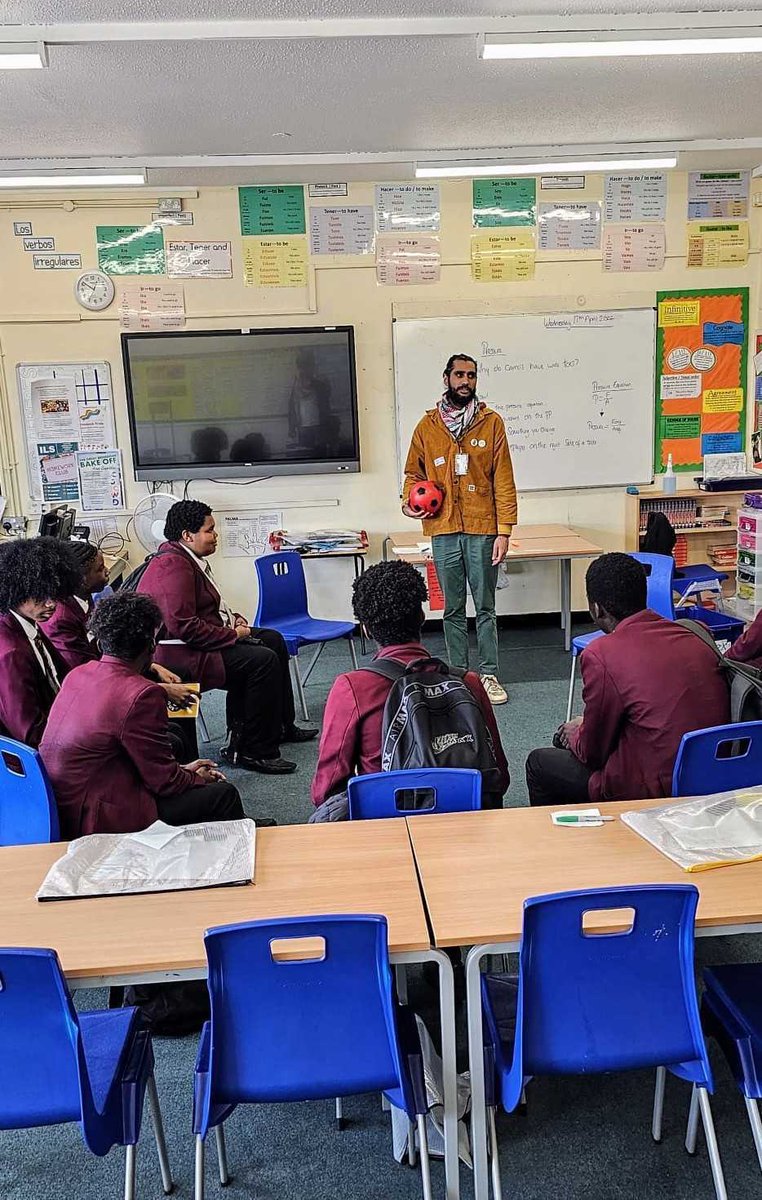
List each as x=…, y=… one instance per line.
x=458, y=419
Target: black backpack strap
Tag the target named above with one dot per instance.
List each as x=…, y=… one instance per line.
x=387, y=668
x=700, y=631
x=393, y=669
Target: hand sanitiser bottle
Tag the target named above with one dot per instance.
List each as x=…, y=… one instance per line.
x=669, y=479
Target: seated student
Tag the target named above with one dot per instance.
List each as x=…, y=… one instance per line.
x=34, y=575
x=387, y=599
x=643, y=686
x=204, y=640
x=748, y=648
x=106, y=746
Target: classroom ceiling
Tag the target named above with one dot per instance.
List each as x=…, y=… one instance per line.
x=157, y=102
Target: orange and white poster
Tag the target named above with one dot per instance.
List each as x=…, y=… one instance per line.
x=702, y=343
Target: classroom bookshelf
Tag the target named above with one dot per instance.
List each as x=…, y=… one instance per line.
x=705, y=524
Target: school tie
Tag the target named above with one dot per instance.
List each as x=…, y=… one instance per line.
x=47, y=663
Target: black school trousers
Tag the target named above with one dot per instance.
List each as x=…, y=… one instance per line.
x=260, y=700
x=556, y=777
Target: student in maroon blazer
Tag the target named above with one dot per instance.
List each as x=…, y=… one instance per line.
x=34, y=575
x=748, y=648
x=106, y=746
x=207, y=642
x=643, y=686
x=387, y=600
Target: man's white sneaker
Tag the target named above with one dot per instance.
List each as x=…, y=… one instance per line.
x=494, y=689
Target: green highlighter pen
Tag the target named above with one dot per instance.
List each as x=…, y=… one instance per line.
x=573, y=819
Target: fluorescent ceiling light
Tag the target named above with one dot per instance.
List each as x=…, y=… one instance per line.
x=627, y=44
x=59, y=179
x=22, y=56
x=543, y=168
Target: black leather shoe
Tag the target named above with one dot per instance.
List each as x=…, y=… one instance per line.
x=295, y=734
x=266, y=766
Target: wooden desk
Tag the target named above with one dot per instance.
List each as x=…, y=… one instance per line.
x=301, y=870
x=476, y=870
x=556, y=543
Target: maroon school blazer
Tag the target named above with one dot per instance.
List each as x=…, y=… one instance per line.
x=748, y=648
x=643, y=687
x=25, y=694
x=67, y=630
x=190, y=611
x=106, y=750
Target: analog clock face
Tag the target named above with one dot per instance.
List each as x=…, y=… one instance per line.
x=94, y=290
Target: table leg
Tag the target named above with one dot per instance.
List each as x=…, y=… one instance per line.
x=564, y=565
x=449, y=1065
x=476, y=1062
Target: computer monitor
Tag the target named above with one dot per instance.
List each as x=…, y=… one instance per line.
x=58, y=523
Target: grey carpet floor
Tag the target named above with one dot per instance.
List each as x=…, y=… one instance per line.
x=582, y=1139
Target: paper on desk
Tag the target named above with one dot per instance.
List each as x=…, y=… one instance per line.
x=702, y=832
x=577, y=812
x=162, y=858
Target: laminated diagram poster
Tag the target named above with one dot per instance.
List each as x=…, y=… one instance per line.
x=702, y=342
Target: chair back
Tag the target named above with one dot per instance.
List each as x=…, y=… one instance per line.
x=407, y=793
x=39, y=1036
x=660, y=572
x=282, y=588
x=591, y=1002
x=719, y=759
x=302, y=1008
x=28, y=810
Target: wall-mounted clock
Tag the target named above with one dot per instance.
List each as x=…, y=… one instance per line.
x=94, y=290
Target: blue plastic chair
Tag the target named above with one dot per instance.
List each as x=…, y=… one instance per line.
x=718, y=759
x=283, y=605
x=58, y=1065
x=588, y=1002
x=660, y=569
x=731, y=1012
x=410, y=793
x=28, y=812
x=285, y=1026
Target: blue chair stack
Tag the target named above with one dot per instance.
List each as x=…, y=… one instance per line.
x=718, y=759
x=283, y=606
x=411, y=793
x=58, y=1065
x=28, y=812
x=303, y=1009
x=660, y=570
x=587, y=1001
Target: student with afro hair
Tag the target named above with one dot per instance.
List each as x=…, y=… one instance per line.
x=388, y=601
x=107, y=747
x=644, y=685
x=34, y=575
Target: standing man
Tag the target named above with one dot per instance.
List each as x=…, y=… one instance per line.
x=461, y=445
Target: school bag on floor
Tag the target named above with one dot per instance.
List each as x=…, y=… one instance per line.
x=432, y=719
x=744, y=681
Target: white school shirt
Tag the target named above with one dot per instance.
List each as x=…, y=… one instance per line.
x=31, y=630
x=83, y=604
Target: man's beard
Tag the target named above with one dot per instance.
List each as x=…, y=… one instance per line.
x=460, y=401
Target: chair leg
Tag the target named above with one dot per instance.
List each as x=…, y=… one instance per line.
x=497, y=1189
x=661, y=1079
x=400, y=976
x=423, y=1143
x=755, y=1121
x=340, y=1122
x=570, y=701
x=222, y=1156
x=129, y=1172
x=691, y=1132
x=158, y=1130
x=300, y=688
x=711, y=1145
x=352, y=651
x=198, y=1191
x=412, y=1157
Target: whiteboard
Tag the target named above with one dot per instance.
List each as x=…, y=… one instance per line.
x=575, y=389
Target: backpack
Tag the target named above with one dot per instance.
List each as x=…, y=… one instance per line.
x=130, y=584
x=744, y=682
x=432, y=719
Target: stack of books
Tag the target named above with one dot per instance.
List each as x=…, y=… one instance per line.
x=320, y=541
